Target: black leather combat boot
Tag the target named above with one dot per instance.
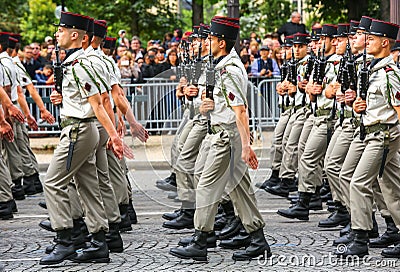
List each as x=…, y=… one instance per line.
x=211, y=240
x=63, y=249
x=390, y=237
x=184, y=221
x=96, y=253
x=258, y=247
x=300, y=210
x=196, y=250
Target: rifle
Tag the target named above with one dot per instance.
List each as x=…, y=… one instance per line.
x=292, y=77
x=398, y=61
x=364, y=84
x=198, y=63
x=319, y=73
x=343, y=79
x=210, y=83
x=58, y=73
x=284, y=73
x=310, y=66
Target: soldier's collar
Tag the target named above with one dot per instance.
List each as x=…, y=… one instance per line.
x=217, y=60
x=374, y=62
x=69, y=52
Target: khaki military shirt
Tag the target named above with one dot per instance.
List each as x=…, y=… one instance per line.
x=11, y=74
x=230, y=89
x=301, y=70
x=23, y=77
x=112, y=68
x=99, y=68
x=383, y=93
x=78, y=84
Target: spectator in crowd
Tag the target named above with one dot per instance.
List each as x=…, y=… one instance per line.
x=43, y=76
x=254, y=37
x=161, y=60
x=36, y=51
x=129, y=68
x=30, y=64
x=49, y=52
x=177, y=35
x=265, y=66
x=277, y=55
x=246, y=43
x=150, y=68
x=135, y=47
x=48, y=40
x=292, y=27
x=172, y=46
x=140, y=62
x=275, y=44
x=172, y=64
x=167, y=40
x=246, y=62
x=121, y=49
x=122, y=40
x=253, y=50
x=244, y=51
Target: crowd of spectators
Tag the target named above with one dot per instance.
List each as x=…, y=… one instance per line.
x=262, y=56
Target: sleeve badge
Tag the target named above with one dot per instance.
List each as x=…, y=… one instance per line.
x=88, y=87
x=231, y=96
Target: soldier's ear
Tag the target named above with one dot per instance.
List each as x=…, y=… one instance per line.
x=385, y=42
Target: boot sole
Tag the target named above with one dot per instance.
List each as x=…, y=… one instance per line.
x=99, y=260
x=342, y=223
x=169, y=218
x=7, y=217
x=208, y=245
x=125, y=229
x=200, y=259
x=69, y=257
x=293, y=217
x=178, y=228
x=261, y=256
x=234, y=247
x=47, y=228
x=168, y=189
x=276, y=193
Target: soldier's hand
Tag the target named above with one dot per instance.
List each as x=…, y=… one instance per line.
x=55, y=98
x=117, y=147
x=138, y=131
x=31, y=122
x=359, y=105
x=6, y=131
x=349, y=96
x=13, y=111
x=292, y=89
x=331, y=89
x=206, y=106
x=281, y=88
x=317, y=89
x=191, y=91
x=47, y=116
x=263, y=72
x=128, y=152
x=340, y=97
x=302, y=84
x=249, y=157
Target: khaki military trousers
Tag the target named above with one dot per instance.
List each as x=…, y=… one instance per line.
x=83, y=171
x=276, y=149
x=117, y=178
x=336, y=154
x=305, y=133
x=185, y=164
x=290, y=148
x=310, y=163
x=175, y=142
x=222, y=169
x=5, y=181
x=348, y=167
x=365, y=174
x=12, y=152
x=30, y=165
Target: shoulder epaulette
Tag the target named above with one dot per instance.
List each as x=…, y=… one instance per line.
x=388, y=69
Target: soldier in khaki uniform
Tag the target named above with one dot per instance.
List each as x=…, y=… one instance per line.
x=309, y=178
x=279, y=139
x=380, y=157
x=343, y=135
x=288, y=167
x=31, y=180
x=225, y=152
x=75, y=154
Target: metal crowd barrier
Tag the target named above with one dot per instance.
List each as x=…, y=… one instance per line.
x=156, y=107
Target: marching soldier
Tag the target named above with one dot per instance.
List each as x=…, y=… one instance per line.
x=283, y=123
x=309, y=176
x=225, y=152
x=380, y=111
x=74, y=156
x=297, y=71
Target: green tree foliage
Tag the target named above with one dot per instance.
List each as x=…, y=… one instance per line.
x=11, y=14
x=263, y=16
x=37, y=22
x=336, y=11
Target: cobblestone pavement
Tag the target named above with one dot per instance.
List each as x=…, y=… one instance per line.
x=297, y=246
